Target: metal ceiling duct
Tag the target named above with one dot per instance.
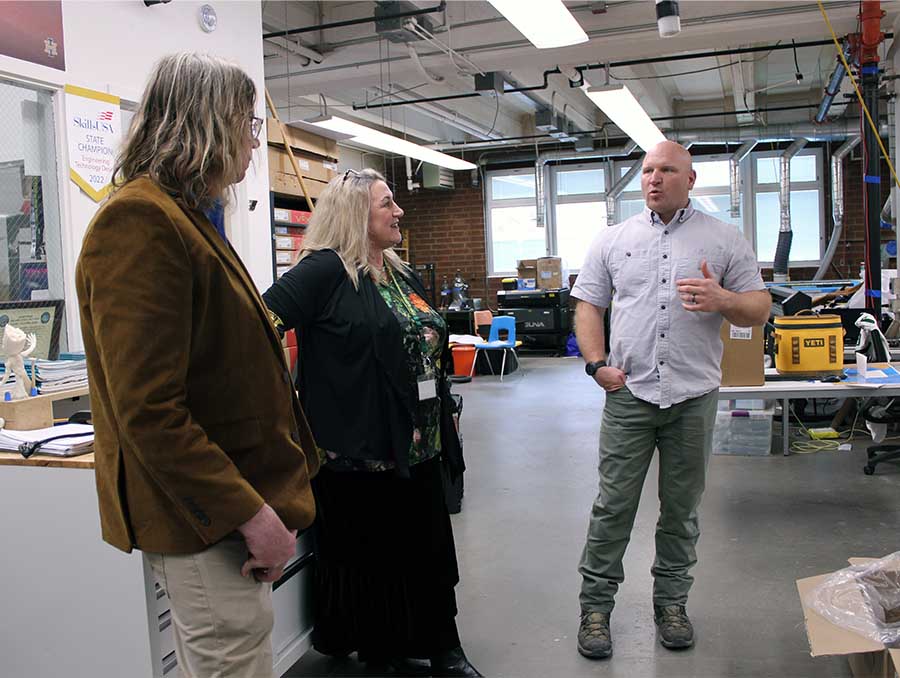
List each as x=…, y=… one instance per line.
x=837, y=203
x=785, y=234
x=734, y=175
x=618, y=187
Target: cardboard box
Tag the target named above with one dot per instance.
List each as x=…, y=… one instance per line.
x=742, y=355
x=311, y=167
x=302, y=140
x=867, y=658
x=292, y=217
x=284, y=257
x=288, y=184
x=526, y=269
x=550, y=273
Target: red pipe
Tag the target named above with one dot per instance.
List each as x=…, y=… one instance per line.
x=871, y=35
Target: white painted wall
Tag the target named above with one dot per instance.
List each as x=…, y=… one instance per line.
x=111, y=46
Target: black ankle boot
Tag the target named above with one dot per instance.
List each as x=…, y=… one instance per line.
x=453, y=663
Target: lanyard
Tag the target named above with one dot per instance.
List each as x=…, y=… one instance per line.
x=413, y=314
x=414, y=318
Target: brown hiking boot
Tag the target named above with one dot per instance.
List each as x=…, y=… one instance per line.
x=594, y=638
x=675, y=629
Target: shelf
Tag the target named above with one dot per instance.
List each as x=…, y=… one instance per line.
x=291, y=224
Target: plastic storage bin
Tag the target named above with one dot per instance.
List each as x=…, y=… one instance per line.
x=744, y=432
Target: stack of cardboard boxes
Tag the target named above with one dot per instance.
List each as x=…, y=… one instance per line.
x=289, y=228
x=316, y=157
x=544, y=273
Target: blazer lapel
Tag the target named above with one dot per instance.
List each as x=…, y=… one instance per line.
x=233, y=262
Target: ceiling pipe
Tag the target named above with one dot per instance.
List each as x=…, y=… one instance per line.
x=734, y=175
x=562, y=156
x=711, y=54
x=452, y=118
x=354, y=22
x=465, y=95
x=785, y=234
x=834, y=85
x=837, y=203
x=768, y=133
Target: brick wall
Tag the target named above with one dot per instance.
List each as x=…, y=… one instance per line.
x=447, y=228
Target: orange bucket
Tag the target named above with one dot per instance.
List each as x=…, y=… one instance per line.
x=463, y=357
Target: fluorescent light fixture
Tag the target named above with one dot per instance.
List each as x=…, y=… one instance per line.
x=546, y=23
x=627, y=114
x=366, y=136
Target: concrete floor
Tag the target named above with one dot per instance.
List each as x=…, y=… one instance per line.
x=531, y=451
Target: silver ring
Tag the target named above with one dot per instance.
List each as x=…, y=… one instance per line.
x=694, y=298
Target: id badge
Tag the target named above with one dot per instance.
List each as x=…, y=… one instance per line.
x=428, y=389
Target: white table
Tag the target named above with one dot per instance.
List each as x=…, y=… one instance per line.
x=785, y=391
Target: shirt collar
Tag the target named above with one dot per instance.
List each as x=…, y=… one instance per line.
x=680, y=217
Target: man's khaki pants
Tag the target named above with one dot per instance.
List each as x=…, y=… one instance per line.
x=223, y=621
x=630, y=431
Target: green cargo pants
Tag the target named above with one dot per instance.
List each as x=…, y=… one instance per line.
x=630, y=431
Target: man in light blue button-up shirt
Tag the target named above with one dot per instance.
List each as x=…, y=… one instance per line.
x=671, y=273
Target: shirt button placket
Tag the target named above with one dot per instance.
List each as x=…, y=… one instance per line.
x=662, y=343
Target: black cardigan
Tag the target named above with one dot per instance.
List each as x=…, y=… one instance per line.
x=354, y=382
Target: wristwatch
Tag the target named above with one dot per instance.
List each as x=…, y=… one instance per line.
x=591, y=368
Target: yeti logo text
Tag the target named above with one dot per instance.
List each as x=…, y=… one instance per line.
x=813, y=343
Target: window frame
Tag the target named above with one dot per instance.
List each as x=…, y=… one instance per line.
x=755, y=188
x=556, y=199
x=490, y=203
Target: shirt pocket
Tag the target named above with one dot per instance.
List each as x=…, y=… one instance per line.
x=689, y=267
x=631, y=270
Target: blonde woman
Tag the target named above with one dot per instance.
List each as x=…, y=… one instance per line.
x=201, y=453
x=373, y=381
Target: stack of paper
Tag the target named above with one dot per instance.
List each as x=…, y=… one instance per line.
x=54, y=376
x=80, y=442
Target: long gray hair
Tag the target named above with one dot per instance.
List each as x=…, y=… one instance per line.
x=340, y=222
x=189, y=128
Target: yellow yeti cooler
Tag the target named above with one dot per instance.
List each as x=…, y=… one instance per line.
x=809, y=345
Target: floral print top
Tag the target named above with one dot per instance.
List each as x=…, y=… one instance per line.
x=424, y=336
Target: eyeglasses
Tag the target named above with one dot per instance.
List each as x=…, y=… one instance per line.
x=255, y=126
x=350, y=172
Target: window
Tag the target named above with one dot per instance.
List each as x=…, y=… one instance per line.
x=806, y=206
x=711, y=193
x=579, y=210
x=512, y=227
x=576, y=207
x=31, y=265
x=576, y=211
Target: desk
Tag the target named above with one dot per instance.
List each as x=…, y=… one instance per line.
x=75, y=606
x=785, y=391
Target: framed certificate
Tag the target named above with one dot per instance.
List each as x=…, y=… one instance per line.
x=43, y=318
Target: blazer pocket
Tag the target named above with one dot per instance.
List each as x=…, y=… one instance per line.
x=236, y=435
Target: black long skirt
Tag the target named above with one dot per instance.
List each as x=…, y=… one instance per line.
x=386, y=564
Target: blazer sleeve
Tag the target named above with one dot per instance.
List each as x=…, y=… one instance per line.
x=135, y=286
x=299, y=297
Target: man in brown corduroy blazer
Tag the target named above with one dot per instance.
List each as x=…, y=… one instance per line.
x=203, y=455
